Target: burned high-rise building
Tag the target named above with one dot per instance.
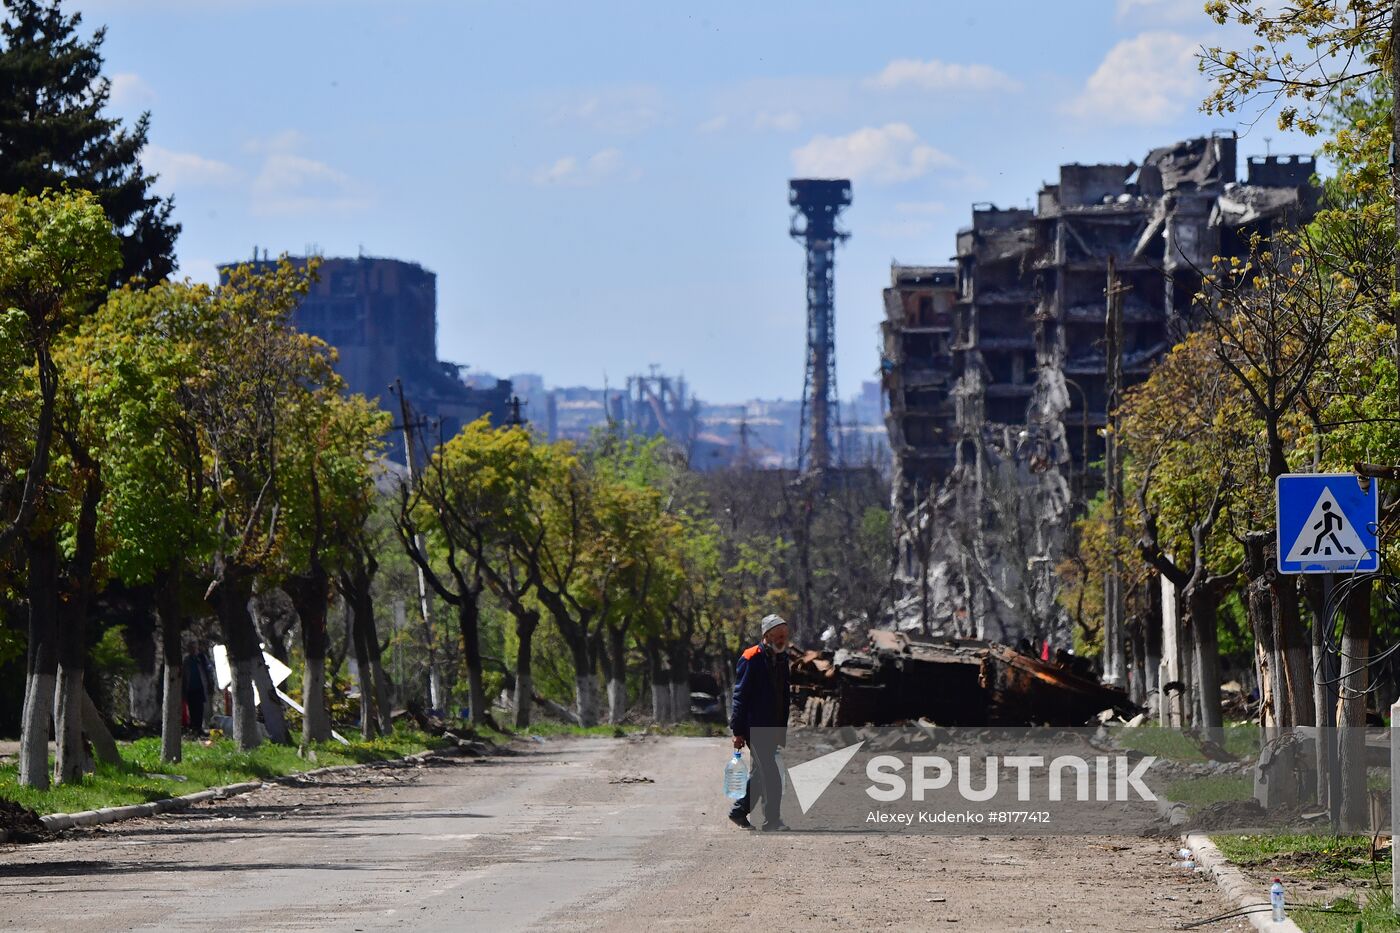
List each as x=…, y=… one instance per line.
x=381, y=317
x=1030, y=367
x=916, y=368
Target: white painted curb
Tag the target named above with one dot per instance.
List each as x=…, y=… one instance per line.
x=1234, y=884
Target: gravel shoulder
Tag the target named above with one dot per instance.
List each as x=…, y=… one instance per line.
x=571, y=833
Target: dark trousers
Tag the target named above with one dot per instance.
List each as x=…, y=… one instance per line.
x=765, y=783
x=195, y=702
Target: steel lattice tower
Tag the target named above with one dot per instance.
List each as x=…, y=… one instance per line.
x=816, y=204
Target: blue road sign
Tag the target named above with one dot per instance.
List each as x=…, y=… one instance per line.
x=1327, y=523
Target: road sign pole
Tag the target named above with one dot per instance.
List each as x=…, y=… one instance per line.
x=1327, y=724
x=1394, y=801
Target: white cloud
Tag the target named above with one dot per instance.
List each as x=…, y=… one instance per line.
x=624, y=110
x=1146, y=80
x=784, y=121
x=291, y=184
x=935, y=75
x=186, y=169
x=130, y=90
x=285, y=141
x=714, y=124
x=573, y=172
x=887, y=154
x=763, y=121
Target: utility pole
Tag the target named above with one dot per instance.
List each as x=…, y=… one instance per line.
x=1114, y=603
x=436, y=694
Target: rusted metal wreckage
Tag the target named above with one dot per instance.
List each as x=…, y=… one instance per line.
x=952, y=682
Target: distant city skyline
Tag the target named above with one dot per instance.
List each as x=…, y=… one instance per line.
x=617, y=198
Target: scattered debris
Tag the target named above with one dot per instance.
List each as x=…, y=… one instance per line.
x=947, y=681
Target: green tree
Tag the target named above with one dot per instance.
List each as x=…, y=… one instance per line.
x=332, y=447
x=259, y=369
x=53, y=133
x=154, y=348
x=56, y=251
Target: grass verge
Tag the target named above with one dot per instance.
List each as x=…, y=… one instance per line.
x=1241, y=740
x=1301, y=859
x=142, y=776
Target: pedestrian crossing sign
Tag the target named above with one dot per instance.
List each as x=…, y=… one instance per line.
x=1327, y=523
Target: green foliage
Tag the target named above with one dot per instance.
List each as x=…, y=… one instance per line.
x=110, y=656
x=54, y=134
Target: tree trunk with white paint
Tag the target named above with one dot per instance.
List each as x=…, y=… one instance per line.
x=274, y=718
x=661, y=701
x=660, y=682
x=310, y=596
x=170, y=624
x=70, y=755
x=41, y=672
x=680, y=701
x=617, y=700
x=231, y=596
x=245, y=709
x=316, y=720
x=586, y=698
x=104, y=747
x=34, y=734
x=171, y=718
x=71, y=760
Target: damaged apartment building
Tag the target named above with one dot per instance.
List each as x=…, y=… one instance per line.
x=997, y=374
x=381, y=317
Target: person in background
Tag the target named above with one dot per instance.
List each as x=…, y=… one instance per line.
x=195, y=695
x=758, y=719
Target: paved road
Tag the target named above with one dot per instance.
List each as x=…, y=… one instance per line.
x=571, y=833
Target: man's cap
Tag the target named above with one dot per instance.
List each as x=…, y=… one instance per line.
x=771, y=622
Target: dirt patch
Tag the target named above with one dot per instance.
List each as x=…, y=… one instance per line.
x=21, y=824
x=1231, y=814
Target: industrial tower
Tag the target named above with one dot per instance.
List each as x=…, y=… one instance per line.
x=816, y=204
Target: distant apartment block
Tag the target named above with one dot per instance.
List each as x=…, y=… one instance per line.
x=381, y=316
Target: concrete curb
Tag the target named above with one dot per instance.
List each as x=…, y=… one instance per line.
x=58, y=821
x=1234, y=885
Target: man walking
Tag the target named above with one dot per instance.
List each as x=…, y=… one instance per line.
x=758, y=719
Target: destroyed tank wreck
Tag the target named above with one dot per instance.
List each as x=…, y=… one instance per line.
x=898, y=677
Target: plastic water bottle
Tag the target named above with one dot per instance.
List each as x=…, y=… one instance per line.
x=1276, y=900
x=736, y=777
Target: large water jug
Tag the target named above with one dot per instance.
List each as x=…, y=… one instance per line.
x=736, y=777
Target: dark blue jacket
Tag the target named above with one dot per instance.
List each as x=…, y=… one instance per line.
x=760, y=692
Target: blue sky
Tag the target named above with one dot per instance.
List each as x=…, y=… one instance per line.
x=602, y=186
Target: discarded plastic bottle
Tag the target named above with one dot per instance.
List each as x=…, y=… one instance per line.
x=736, y=777
x=1276, y=900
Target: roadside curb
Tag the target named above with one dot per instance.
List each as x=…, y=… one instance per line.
x=60, y=821
x=1233, y=884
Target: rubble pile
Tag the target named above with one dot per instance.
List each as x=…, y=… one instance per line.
x=898, y=677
